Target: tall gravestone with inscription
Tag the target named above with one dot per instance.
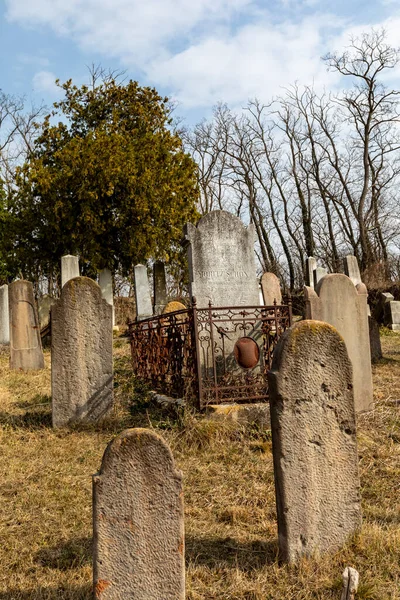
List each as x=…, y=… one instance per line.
x=25, y=343
x=314, y=441
x=81, y=354
x=222, y=261
x=222, y=272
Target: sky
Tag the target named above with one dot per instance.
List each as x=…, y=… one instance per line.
x=198, y=52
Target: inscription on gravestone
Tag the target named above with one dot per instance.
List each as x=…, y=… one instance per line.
x=222, y=261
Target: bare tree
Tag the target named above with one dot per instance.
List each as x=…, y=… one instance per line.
x=316, y=174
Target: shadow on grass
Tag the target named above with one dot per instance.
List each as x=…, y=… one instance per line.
x=63, y=592
x=37, y=416
x=30, y=420
x=229, y=552
x=68, y=554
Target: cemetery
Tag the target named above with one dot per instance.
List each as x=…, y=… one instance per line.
x=200, y=326
x=136, y=464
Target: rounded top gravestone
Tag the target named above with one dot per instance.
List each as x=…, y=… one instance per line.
x=314, y=441
x=222, y=261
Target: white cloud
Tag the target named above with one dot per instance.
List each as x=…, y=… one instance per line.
x=202, y=51
x=133, y=29
x=258, y=61
x=44, y=82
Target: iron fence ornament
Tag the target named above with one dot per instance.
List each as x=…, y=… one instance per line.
x=212, y=355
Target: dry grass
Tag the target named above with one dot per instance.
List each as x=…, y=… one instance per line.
x=45, y=488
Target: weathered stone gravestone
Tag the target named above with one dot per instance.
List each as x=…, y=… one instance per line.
x=271, y=289
x=138, y=521
x=69, y=268
x=314, y=273
x=160, y=287
x=311, y=267
x=4, y=316
x=374, y=340
x=314, y=441
x=44, y=306
x=144, y=307
x=319, y=274
x=351, y=269
x=337, y=301
x=391, y=315
x=81, y=354
x=106, y=286
x=25, y=343
x=222, y=261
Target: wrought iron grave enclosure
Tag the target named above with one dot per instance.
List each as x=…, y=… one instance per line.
x=209, y=355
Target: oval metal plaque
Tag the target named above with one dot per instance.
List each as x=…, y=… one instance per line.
x=247, y=353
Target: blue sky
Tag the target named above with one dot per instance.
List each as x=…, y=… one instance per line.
x=198, y=52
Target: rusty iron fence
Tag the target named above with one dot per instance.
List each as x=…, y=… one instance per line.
x=209, y=355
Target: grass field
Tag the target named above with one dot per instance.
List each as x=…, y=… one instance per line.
x=231, y=534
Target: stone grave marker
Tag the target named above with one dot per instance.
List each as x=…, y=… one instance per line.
x=81, y=354
x=374, y=340
x=221, y=261
x=4, y=316
x=44, y=306
x=160, y=287
x=25, y=343
x=69, y=268
x=106, y=286
x=351, y=268
x=392, y=314
x=311, y=266
x=337, y=301
x=144, y=307
x=314, y=441
x=138, y=521
x=271, y=289
x=319, y=273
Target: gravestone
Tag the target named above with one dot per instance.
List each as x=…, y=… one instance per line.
x=160, y=287
x=314, y=441
x=106, y=286
x=4, y=316
x=144, y=308
x=337, y=301
x=138, y=521
x=69, y=268
x=221, y=261
x=351, y=269
x=319, y=273
x=271, y=289
x=81, y=354
x=173, y=306
x=44, y=306
x=379, y=313
x=311, y=266
x=391, y=314
x=25, y=343
x=374, y=340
